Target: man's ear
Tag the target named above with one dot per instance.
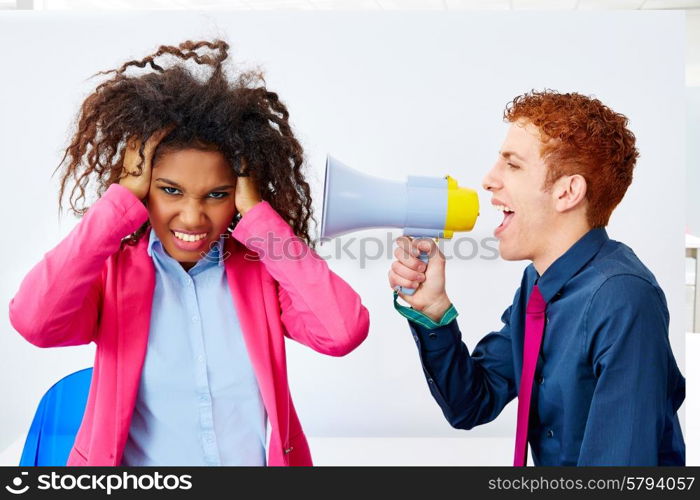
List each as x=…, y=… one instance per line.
x=570, y=192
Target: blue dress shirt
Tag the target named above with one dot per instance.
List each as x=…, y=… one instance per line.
x=607, y=386
x=198, y=400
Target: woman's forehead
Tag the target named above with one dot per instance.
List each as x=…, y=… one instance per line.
x=194, y=167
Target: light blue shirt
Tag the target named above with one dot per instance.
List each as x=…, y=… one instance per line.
x=198, y=401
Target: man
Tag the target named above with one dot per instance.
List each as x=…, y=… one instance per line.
x=584, y=345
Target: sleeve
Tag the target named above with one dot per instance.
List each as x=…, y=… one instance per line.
x=627, y=329
x=318, y=308
x=471, y=389
x=59, y=301
x=418, y=317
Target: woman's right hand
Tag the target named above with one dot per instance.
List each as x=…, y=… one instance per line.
x=139, y=184
x=409, y=271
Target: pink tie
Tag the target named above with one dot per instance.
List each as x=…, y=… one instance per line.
x=534, y=328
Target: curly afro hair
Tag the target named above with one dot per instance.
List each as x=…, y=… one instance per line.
x=238, y=117
x=580, y=135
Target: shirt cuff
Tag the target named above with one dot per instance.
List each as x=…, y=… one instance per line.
x=423, y=320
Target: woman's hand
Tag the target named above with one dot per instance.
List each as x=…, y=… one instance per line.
x=247, y=194
x=139, y=184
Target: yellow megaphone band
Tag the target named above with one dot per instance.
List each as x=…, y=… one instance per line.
x=462, y=208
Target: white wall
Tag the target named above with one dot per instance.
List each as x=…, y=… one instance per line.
x=692, y=48
x=390, y=94
x=692, y=78
x=692, y=206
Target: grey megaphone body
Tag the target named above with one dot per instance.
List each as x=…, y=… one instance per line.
x=424, y=207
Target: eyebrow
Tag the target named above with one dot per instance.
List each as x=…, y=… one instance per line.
x=175, y=184
x=508, y=154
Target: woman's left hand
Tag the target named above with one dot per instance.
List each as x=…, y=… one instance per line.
x=247, y=194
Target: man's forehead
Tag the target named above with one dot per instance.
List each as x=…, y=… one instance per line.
x=522, y=141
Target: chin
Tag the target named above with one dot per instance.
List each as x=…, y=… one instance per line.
x=509, y=253
x=185, y=258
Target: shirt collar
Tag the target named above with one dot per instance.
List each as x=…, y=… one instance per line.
x=566, y=266
x=152, y=240
x=215, y=254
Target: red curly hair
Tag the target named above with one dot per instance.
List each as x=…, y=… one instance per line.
x=580, y=135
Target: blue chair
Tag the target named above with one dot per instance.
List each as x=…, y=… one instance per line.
x=57, y=421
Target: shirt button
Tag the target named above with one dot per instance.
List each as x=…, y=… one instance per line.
x=200, y=357
x=195, y=319
x=550, y=433
x=540, y=380
x=430, y=381
x=415, y=337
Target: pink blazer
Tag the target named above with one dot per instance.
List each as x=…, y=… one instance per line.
x=88, y=289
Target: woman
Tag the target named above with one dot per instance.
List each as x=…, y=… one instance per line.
x=188, y=271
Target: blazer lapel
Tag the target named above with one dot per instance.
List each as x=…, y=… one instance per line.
x=243, y=275
x=135, y=287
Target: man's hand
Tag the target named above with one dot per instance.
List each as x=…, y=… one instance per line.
x=247, y=194
x=409, y=271
x=139, y=184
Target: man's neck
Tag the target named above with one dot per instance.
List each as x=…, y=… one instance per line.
x=563, y=238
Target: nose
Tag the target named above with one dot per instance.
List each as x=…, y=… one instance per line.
x=192, y=214
x=492, y=180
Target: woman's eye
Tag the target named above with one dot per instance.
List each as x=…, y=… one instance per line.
x=170, y=190
x=217, y=195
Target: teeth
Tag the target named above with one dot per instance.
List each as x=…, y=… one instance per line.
x=503, y=208
x=189, y=237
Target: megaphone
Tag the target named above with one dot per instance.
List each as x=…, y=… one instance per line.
x=424, y=207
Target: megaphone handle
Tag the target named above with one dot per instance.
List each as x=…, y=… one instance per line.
x=410, y=291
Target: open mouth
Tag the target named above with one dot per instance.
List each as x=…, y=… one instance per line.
x=189, y=237
x=508, y=214
x=189, y=242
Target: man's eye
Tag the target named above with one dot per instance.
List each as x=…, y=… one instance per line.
x=512, y=166
x=217, y=195
x=170, y=190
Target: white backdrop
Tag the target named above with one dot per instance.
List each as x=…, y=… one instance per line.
x=390, y=94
